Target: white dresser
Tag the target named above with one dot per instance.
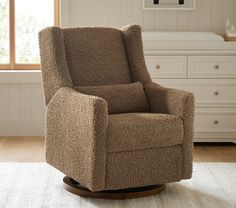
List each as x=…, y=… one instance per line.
x=205, y=65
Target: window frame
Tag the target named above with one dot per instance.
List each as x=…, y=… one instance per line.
x=12, y=50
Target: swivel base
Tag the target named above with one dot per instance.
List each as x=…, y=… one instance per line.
x=75, y=188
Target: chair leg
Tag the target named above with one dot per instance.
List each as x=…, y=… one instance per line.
x=75, y=188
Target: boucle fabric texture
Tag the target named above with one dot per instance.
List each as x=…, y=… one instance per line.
x=134, y=131
x=76, y=136
x=132, y=36
x=53, y=62
x=181, y=104
x=96, y=56
x=143, y=167
x=82, y=69
x=121, y=98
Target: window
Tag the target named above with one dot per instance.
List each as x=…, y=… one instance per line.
x=20, y=21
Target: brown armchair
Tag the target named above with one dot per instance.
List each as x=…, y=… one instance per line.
x=108, y=126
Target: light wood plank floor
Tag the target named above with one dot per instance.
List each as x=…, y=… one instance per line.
x=32, y=149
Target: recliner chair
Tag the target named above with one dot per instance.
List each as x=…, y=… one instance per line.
x=108, y=126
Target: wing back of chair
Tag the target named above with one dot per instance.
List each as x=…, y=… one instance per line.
x=55, y=72
x=91, y=57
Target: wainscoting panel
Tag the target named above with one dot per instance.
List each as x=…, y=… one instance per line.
x=210, y=15
x=21, y=109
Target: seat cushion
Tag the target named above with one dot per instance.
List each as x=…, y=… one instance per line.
x=121, y=98
x=132, y=131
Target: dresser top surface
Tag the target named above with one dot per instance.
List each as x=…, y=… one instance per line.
x=183, y=36
x=186, y=43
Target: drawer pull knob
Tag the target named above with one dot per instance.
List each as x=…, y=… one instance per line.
x=216, y=93
x=158, y=66
x=216, y=122
x=217, y=66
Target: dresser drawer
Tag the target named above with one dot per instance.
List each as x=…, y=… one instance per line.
x=214, y=93
x=212, y=66
x=208, y=92
x=215, y=120
x=167, y=66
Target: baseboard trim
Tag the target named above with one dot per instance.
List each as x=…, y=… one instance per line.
x=14, y=128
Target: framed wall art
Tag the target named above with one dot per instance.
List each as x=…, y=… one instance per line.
x=169, y=4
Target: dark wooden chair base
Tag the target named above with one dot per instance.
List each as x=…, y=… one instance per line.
x=75, y=188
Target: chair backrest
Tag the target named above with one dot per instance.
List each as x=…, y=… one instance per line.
x=96, y=56
x=91, y=56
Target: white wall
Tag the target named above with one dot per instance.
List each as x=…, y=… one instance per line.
x=21, y=104
x=210, y=15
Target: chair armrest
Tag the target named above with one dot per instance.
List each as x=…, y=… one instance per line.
x=179, y=103
x=76, y=136
x=169, y=101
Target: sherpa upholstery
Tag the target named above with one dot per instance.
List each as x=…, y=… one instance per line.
x=163, y=130
x=88, y=75
x=85, y=52
x=121, y=98
x=143, y=167
x=181, y=104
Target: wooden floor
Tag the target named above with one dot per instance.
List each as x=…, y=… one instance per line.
x=21, y=149
x=32, y=149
